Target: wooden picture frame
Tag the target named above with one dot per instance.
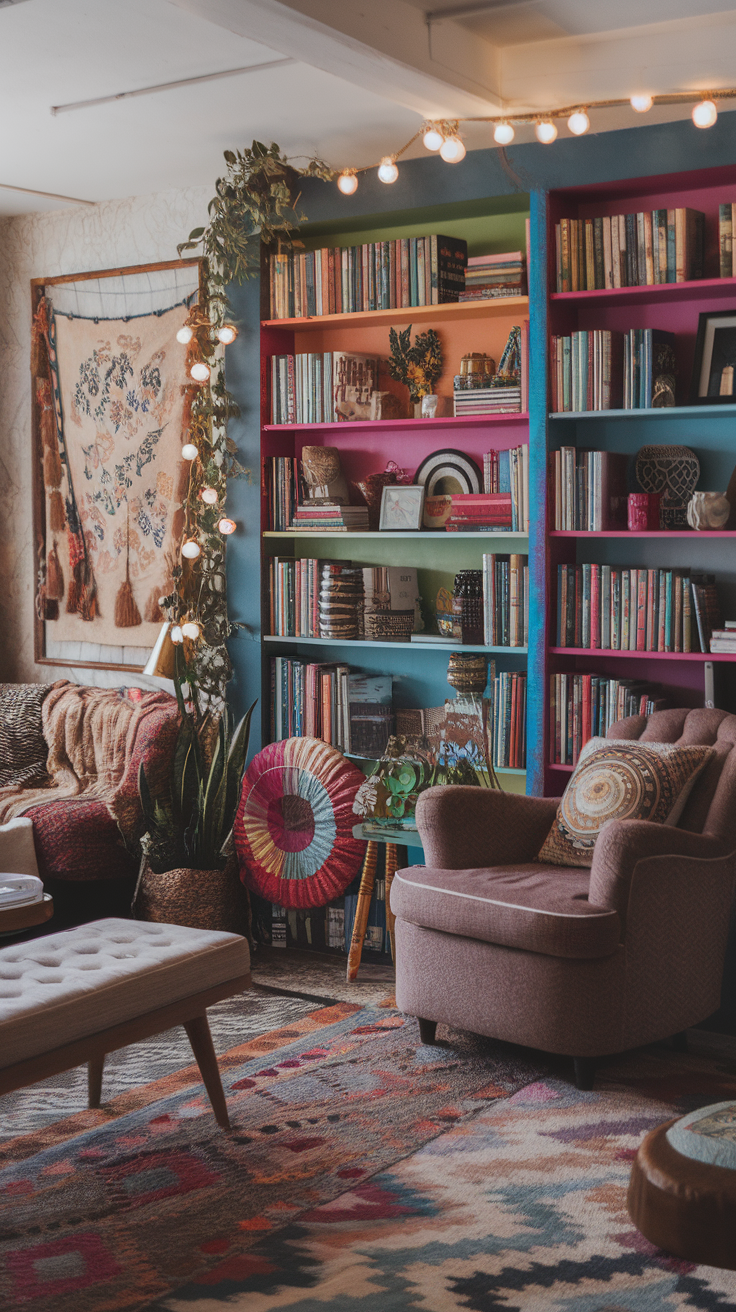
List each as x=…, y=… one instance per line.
x=402, y=507
x=38, y=290
x=710, y=346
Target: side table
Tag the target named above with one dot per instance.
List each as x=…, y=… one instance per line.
x=15, y=919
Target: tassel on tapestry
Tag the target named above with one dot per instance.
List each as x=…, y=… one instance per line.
x=127, y=614
x=54, y=576
x=57, y=514
x=51, y=468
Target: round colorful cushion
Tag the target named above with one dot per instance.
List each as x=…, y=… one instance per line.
x=294, y=827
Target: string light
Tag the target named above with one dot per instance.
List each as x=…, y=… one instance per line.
x=189, y=451
x=503, y=134
x=227, y=526
x=452, y=150
x=209, y=496
x=227, y=334
x=185, y=335
x=347, y=183
x=578, y=122
x=199, y=371
x=176, y=634
x=191, y=630
x=642, y=104
x=432, y=138
x=705, y=114
x=387, y=170
x=191, y=549
x=546, y=131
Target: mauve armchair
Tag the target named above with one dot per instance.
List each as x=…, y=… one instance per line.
x=582, y=962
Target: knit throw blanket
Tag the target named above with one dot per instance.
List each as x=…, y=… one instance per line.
x=22, y=744
x=92, y=737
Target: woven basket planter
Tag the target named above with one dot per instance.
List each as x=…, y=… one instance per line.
x=200, y=899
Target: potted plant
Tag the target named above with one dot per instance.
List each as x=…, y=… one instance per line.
x=189, y=872
x=418, y=366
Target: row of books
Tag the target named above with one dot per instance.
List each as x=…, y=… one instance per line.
x=508, y=701
x=332, y=701
x=380, y=275
x=327, y=927
x=598, y=369
x=298, y=593
x=590, y=490
x=584, y=706
x=629, y=250
x=726, y=228
x=489, y=277
x=605, y=607
x=321, y=388
x=505, y=600
x=281, y=490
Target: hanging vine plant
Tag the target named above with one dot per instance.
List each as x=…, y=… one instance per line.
x=255, y=202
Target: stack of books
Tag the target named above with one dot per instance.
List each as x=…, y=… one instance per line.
x=648, y=353
x=629, y=250
x=584, y=706
x=586, y=371
x=590, y=490
x=605, y=607
x=509, y=720
x=487, y=400
x=724, y=639
x=380, y=275
x=479, y=511
x=489, y=277
x=505, y=600
x=313, y=517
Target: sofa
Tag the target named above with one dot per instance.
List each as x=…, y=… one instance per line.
x=69, y=761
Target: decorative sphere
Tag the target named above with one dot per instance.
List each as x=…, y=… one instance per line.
x=191, y=549
x=387, y=170
x=705, y=114
x=190, y=629
x=642, y=103
x=546, y=131
x=200, y=371
x=503, y=134
x=185, y=334
x=227, y=526
x=209, y=496
x=189, y=451
x=578, y=122
x=433, y=138
x=347, y=183
x=176, y=634
x=452, y=150
x=227, y=334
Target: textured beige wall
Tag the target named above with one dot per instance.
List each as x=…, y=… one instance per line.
x=139, y=230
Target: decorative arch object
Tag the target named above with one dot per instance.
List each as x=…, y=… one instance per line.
x=294, y=826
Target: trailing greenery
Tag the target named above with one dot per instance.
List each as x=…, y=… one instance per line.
x=190, y=825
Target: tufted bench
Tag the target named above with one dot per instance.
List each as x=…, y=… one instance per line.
x=72, y=997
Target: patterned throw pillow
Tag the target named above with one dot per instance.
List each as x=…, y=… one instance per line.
x=618, y=779
x=23, y=749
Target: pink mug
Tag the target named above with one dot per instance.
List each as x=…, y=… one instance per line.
x=643, y=512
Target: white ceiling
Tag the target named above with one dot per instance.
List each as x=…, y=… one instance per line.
x=360, y=78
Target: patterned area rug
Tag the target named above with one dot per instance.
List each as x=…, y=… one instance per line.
x=120, y=1207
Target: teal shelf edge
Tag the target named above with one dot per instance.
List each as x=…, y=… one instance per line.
x=406, y=837
x=664, y=412
x=368, y=645
x=428, y=533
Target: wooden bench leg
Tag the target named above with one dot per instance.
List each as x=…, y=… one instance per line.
x=95, y=1067
x=198, y=1033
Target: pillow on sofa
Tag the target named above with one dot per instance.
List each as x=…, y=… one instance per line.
x=23, y=749
x=617, y=779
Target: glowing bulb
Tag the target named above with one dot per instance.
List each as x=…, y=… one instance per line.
x=200, y=371
x=176, y=634
x=189, y=451
x=209, y=496
x=347, y=183
x=705, y=114
x=185, y=334
x=578, y=122
x=503, y=134
x=452, y=150
x=190, y=549
x=642, y=103
x=190, y=629
x=387, y=170
x=433, y=138
x=546, y=131
x=227, y=526
x=227, y=334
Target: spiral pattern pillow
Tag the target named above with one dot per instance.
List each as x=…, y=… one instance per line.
x=294, y=827
x=618, y=779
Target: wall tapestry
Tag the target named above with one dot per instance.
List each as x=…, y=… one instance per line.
x=111, y=406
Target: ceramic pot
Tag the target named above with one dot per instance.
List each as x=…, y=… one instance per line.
x=200, y=899
x=708, y=510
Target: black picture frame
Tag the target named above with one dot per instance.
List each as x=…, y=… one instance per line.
x=715, y=350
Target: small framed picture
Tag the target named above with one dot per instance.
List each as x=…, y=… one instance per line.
x=401, y=508
x=714, y=368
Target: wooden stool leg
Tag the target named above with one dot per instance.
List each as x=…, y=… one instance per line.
x=198, y=1033
x=95, y=1067
x=360, y=924
x=395, y=856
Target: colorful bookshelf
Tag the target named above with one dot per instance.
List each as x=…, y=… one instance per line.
x=707, y=429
